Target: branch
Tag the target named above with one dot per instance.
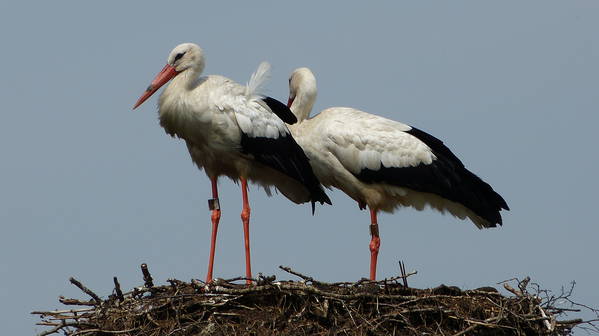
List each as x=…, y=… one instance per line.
x=147, y=277
x=117, y=289
x=305, y=277
x=53, y=330
x=85, y=290
x=75, y=302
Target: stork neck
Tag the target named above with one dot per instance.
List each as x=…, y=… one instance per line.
x=186, y=80
x=178, y=89
x=176, y=98
x=302, y=105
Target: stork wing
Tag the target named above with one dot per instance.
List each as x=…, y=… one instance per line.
x=266, y=138
x=364, y=141
x=378, y=150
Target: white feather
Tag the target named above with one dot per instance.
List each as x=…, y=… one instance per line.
x=244, y=122
x=359, y=140
x=258, y=79
x=257, y=121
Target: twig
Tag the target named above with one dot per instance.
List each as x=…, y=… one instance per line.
x=199, y=285
x=265, y=280
x=350, y=315
x=147, y=277
x=512, y=290
x=475, y=324
x=101, y=331
x=63, y=325
x=546, y=322
x=85, y=290
x=117, y=289
x=467, y=330
x=305, y=277
x=53, y=330
x=523, y=284
x=404, y=277
x=54, y=312
x=75, y=302
x=570, y=322
x=229, y=282
x=239, y=278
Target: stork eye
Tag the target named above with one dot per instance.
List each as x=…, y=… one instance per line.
x=178, y=56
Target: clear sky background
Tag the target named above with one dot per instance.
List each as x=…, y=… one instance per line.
x=91, y=189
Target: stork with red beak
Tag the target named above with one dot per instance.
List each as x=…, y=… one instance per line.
x=231, y=130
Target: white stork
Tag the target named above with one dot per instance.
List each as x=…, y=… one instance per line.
x=230, y=130
x=384, y=164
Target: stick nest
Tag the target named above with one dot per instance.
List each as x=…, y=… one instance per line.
x=307, y=307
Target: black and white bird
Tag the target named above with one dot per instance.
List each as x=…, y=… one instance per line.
x=384, y=164
x=231, y=130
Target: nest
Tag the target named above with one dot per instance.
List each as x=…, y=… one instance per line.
x=306, y=307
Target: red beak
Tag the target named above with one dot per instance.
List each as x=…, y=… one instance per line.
x=167, y=73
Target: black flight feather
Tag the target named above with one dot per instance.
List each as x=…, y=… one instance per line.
x=286, y=156
x=281, y=110
x=446, y=177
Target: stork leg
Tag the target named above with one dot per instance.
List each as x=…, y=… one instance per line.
x=215, y=207
x=375, y=243
x=245, y=218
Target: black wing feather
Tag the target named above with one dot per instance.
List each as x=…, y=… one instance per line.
x=286, y=156
x=281, y=110
x=446, y=177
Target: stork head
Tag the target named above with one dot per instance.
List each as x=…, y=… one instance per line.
x=185, y=57
x=302, y=92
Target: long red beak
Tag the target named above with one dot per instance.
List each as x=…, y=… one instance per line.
x=167, y=73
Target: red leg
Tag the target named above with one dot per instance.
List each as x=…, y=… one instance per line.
x=245, y=218
x=215, y=207
x=375, y=243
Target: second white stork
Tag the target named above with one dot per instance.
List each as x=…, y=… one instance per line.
x=233, y=131
x=385, y=164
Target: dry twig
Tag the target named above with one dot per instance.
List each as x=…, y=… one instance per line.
x=85, y=290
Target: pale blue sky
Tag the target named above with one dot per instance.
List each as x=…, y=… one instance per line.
x=92, y=189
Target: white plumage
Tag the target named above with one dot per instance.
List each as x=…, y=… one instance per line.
x=258, y=79
x=360, y=140
x=341, y=142
x=385, y=164
x=231, y=130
